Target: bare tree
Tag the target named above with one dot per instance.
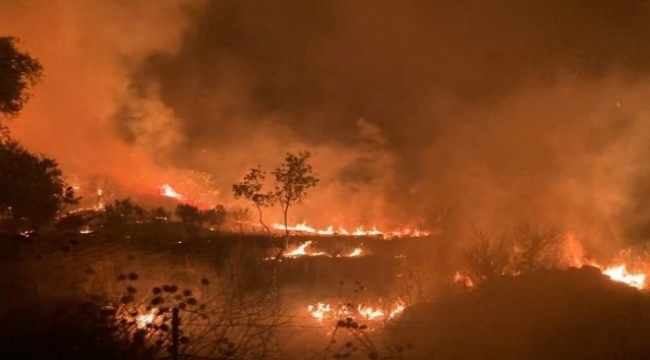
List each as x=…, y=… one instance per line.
x=292, y=180
x=251, y=189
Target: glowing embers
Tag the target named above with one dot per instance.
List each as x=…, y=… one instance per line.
x=303, y=228
x=357, y=312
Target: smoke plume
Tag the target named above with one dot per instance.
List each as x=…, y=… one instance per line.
x=423, y=112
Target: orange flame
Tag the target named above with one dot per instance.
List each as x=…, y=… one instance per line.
x=341, y=231
x=167, y=190
x=324, y=311
x=302, y=250
x=620, y=274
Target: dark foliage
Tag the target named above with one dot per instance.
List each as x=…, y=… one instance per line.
x=32, y=189
x=18, y=71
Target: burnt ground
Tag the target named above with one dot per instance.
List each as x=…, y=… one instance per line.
x=551, y=314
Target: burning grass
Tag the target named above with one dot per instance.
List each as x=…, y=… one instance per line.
x=307, y=310
x=488, y=257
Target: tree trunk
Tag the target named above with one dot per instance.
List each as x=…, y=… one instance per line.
x=259, y=211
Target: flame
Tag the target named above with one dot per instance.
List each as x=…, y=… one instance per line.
x=366, y=312
x=301, y=251
x=167, y=190
x=303, y=228
x=318, y=312
x=142, y=320
x=355, y=253
x=463, y=279
x=574, y=255
x=370, y=313
x=620, y=274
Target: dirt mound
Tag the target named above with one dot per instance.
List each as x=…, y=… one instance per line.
x=552, y=314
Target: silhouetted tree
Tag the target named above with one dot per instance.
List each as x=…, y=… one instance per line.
x=190, y=217
x=292, y=180
x=18, y=71
x=251, y=189
x=32, y=189
x=188, y=214
x=215, y=216
x=123, y=211
x=160, y=213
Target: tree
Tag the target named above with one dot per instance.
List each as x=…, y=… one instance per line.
x=159, y=214
x=251, y=189
x=214, y=217
x=18, y=72
x=292, y=180
x=123, y=211
x=32, y=189
x=190, y=217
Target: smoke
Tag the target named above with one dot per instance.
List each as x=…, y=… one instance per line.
x=432, y=113
x=89, y=51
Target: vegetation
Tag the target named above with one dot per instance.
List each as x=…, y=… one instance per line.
x=32, y=189
x=526, y=248
x=292, y=179
x=251, y=189
x=18, y=72
x=137, y=285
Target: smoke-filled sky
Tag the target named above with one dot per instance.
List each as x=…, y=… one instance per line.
x=473, y=112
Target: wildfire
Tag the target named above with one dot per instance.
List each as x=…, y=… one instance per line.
x=142, y=320
x=620, y=274
x=302, y=250
x=366, y=312
x=168, y=191
x=341, y=231
x=574, y=255
x=463, y=279
x=319, y=311
x=356, y=252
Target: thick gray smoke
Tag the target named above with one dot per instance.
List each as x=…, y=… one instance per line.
x=462, y=112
